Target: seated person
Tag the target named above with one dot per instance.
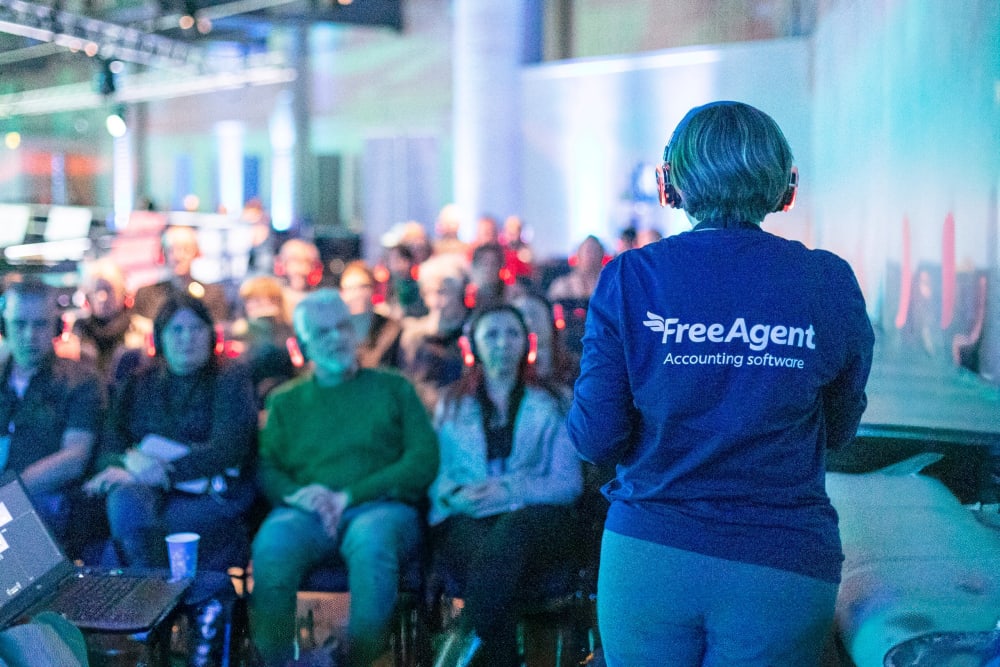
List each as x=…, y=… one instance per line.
x=579, y=283
x=346, y=455
x=51, y=407
x=554, y=364
x=106, y=330
x=379, y=334
x=429, y=345
x=401, y=292
x=298, y=262
x=180, y=250
x=501, y=503
x=487, y=273
x=263, y=335
x=178, y=445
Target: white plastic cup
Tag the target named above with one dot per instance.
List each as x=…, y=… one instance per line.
x=183, y=551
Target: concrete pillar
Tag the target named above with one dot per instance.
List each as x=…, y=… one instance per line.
x=491, y=44
x=304, y=183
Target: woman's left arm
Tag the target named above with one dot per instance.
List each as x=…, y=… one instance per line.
x=557, y=477
x=844, y=398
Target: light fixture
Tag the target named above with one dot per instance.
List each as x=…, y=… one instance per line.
x=115, y=122
x=106, y=77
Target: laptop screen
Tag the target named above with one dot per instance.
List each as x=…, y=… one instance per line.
x=27, y=550
x=14, y=219
x=67, y=222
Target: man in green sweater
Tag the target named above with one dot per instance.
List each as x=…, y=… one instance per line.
x=346, y=454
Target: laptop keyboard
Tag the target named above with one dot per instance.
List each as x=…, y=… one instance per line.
x=99, y=598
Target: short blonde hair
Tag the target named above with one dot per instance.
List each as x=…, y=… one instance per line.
x=263, y=287
x=730, y=161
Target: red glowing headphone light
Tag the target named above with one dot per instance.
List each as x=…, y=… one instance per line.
x=467, y=357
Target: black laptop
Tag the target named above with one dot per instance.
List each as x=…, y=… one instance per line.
x=35, y=575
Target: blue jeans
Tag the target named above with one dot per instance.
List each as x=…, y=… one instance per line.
x=373, y=540
x=662, y=606
x=141, y=516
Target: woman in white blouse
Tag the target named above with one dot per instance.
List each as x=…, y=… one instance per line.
x=501, y=506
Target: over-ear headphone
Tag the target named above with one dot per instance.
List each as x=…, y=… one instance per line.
x=296, y=351
x=467, y=341
x=668, y=194
x=787, y=201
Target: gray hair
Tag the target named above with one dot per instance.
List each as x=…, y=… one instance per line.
x=730, y=161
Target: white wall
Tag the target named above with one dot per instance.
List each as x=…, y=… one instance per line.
x=588, y=123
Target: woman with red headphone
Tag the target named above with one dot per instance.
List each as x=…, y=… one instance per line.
x=718, y=365
x=501, y=503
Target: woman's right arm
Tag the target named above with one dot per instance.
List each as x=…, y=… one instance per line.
x=444, y=484
x=115, y=438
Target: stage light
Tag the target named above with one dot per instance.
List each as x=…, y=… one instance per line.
x=115, y=123
x=12, y=140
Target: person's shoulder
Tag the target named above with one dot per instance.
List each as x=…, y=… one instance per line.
x=153, y=288
x=152, y=292
x=542, y=399
x=233, y=370
x=390, y=378
x=73, y=371
x=827, y=264
x=290, y=390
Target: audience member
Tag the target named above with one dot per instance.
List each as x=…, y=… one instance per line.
x=52, y=407
x=414, y=236
x=721, y=545
x=586, y=264
x=628, y=239
x=378, y=334
x=106, y=329
x=501, y=503
x=179, y=446
x=401, y=291
x=429, y=345
x=449, y=222
x=345, y=457
x=487, y=231
x=180, y=250
x=553, y=364
x=265, y=334
x=299, y=263
x=648, y=235
x=487, y=273
x=520, y=258
x=260, y=259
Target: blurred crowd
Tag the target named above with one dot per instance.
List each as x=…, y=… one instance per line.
x=224, y=410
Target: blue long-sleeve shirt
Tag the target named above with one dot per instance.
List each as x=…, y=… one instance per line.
x=718, y=367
